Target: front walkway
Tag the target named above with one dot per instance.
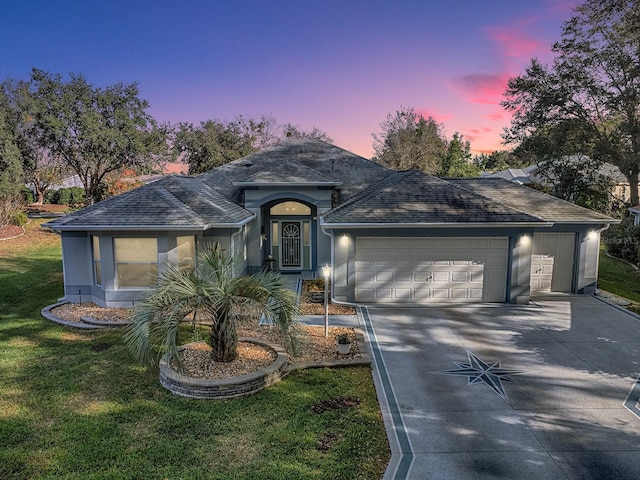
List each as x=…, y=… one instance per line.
x=479, y=392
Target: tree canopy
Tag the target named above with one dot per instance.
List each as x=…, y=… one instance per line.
x=214, y=142
x=587, y=102
x=10, y=158
x=408, y=140
x=91, y=130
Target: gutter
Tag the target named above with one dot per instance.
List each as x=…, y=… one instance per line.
x=323, y=225
x=163, y=228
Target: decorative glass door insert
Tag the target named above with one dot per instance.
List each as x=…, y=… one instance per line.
x=291, y=245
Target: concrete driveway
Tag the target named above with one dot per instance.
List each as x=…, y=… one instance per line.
x=455, y=408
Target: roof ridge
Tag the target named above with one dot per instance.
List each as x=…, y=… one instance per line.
x=375, y=188
x=536, y=192
x=174, y=202
x=488, y=199
x=213, y=192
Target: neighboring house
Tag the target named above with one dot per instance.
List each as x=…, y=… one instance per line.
x=390, y=237
x=532, y=174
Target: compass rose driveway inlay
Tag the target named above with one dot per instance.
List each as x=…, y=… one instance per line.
x=570, y=410
x=478, y=371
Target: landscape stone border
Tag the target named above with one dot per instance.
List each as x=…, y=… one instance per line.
x=105, y=323
x=46, y=313
x=224, y=388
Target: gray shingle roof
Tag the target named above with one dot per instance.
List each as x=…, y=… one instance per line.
x=174, y=202
x=534, y=202
x=412, y=197
x=288, y=173
x=355, y=173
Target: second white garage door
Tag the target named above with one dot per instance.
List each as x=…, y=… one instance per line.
x=431, y=270
x=552, y=262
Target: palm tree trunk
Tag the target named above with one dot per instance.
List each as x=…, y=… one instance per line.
x=224, y=338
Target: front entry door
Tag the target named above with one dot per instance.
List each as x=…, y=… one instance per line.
x=291, y=245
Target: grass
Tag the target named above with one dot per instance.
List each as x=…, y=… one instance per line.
x=619, y=278
x=74, y=405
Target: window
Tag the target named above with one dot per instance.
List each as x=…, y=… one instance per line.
x=136, y=261
x=290, y=208
x=186, y=248
x=97, y=271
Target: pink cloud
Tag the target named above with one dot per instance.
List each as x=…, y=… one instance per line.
x=482, y=87
x=494, y=116
x=514, y=42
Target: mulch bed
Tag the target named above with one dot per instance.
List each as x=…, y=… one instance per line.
x=312, y=345
x=10, y=231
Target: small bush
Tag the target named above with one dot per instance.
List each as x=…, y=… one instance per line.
x=50, y=196
x=72, y=196
x=19, y=218
x=9, y=208
x=27, y=195
x=623, y=241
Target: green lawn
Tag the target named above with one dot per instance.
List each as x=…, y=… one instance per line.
x=74, y=405
x=619, y=278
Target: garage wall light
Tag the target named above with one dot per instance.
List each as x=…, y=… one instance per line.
x=525, y=241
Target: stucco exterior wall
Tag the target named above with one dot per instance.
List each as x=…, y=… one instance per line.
x=78, y=269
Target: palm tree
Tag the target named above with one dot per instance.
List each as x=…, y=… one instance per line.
x=210, y=293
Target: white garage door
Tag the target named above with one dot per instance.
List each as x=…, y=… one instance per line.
x=552, y=262
x=431, y=270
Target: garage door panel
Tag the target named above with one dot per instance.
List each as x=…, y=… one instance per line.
x=422, y=277
x=475, y=294
x=440, y=277
x=459, y=277
x=421, y=293
x=403, y=277
x=433, y=269
x=383, y=293
x=440, y=293
x=459, y=293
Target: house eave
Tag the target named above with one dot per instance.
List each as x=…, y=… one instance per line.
x=438, y=225
x=286, y=184
x=162, y=228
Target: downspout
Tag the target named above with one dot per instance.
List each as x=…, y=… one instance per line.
x=233, y=247
x=331, y=293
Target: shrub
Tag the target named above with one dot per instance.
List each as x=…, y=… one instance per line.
x=19, y=218
x=27, y=195
x=50, y=196
x=9, y=208
x=623, y=241
x=72, y=196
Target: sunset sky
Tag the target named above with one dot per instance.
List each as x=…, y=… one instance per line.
x=341, y=66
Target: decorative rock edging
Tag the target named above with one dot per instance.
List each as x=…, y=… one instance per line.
x=227, y=387
x=105, y=323
x=365, y=358
x=46, y=313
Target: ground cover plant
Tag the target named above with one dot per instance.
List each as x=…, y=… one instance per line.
x=75, y=405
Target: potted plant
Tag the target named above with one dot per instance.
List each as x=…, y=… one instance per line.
x=344, y=343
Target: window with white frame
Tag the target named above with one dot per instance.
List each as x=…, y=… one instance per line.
x=186, y=249
x=97, y=266
x=136, y=262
